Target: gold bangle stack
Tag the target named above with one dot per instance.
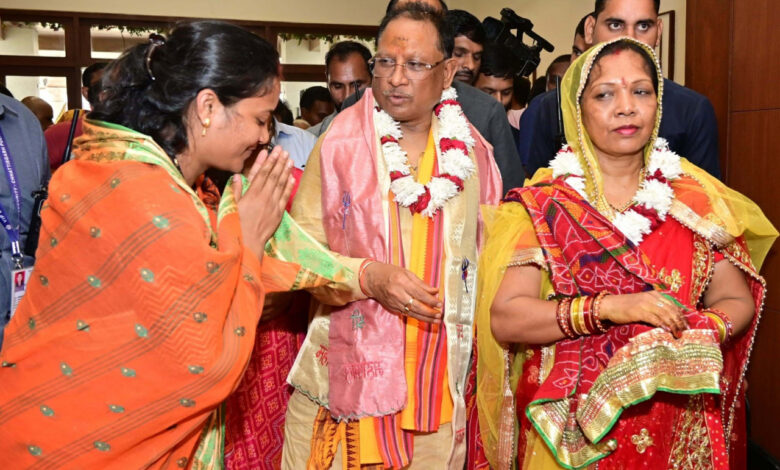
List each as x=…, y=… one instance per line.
x=580, y=316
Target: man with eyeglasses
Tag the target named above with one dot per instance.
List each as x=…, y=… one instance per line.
x=395, y=187
x=484, y=113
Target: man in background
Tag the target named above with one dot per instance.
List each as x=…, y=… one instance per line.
x=41, y=109
x=497, y=74
x=579, y=45
x=469, y=44
x=283, y=114
x=26, y=148
x=347, y=73
x=90, y=82
x=557, y=70
x=437, y=5
x=688, y=121
x=57, y=135
x=298, y=142
x=316, y=104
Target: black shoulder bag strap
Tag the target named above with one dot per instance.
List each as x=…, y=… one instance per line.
x=40, y=196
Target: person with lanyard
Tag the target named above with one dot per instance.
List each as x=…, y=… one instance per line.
x=25, y=170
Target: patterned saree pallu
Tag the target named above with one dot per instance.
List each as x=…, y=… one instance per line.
x=142, y=316
x=594, y=378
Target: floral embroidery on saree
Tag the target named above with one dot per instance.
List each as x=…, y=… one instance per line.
x=702, y=269
x=692, y=449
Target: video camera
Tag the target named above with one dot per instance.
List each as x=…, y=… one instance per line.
x=500, y=32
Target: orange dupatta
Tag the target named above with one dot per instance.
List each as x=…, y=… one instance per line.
x=140, y=318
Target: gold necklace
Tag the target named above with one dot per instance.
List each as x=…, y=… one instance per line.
x=630, y=203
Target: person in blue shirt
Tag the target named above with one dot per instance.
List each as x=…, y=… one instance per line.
x=688, y=122
x=296, y=141
x=27, y=148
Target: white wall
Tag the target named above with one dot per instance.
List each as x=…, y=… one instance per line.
x=21, y=41
x=297, y=11
x=555, y=20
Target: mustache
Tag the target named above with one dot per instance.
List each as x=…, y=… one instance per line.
x=468, y=72
x=395, y=92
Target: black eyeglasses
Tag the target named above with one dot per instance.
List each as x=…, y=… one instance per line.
x=383, y=67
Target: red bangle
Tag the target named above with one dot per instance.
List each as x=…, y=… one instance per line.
x=726, y=322
x=562, y=315
x=587, y=309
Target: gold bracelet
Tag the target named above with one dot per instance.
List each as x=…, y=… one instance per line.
x=720, y=325
x=366, y=263
x=577, y=316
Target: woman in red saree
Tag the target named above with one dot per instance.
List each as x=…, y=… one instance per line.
x=620, y=293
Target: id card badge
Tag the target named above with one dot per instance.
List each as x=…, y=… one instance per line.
x=19, y=280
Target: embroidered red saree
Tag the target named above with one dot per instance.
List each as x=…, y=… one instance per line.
x=681, y=397
x=635, y=396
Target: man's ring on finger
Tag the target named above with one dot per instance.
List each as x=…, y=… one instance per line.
x=409, y=304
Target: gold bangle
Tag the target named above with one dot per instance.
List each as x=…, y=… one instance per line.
x=581, y=316
x=719, y=324
x=572, y=309
x=366, y=263
x=577, y=320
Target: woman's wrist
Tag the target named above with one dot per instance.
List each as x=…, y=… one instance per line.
x=607, y=308
x=362, y=275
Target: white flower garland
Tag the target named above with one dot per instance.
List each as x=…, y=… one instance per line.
x=652, y=201
x=455, y=165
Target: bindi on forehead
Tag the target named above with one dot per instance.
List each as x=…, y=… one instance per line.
x=624, y=82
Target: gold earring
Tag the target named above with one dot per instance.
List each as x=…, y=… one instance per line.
x=206, y=124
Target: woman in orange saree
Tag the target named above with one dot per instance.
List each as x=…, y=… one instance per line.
x=147, y=290
x=620, y=293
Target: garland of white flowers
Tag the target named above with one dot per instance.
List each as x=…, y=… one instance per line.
x=652, y=201
x=454, y=145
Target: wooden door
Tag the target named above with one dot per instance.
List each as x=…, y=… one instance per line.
x=733, y=57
